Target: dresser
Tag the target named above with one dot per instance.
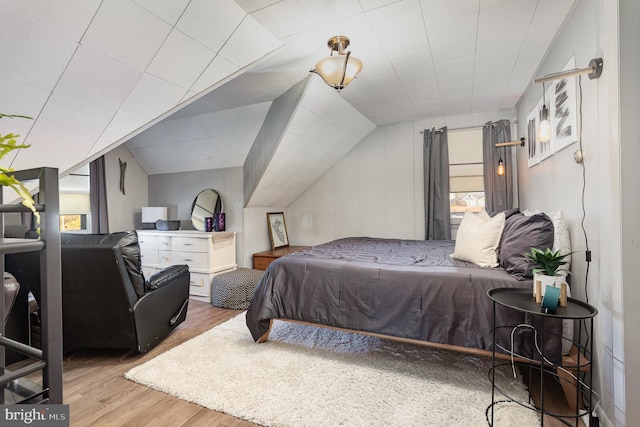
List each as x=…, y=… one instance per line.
x=206, y=254
x=261, y=260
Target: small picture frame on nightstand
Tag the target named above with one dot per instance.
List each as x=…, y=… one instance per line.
x=277, y=229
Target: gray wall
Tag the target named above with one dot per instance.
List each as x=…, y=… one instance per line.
x=124, y=209
x=269, y=136
x=610, y=184
x=178, y=190
x=630, y=183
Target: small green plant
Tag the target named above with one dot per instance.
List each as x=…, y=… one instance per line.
x=8, y=143
x=548, y=262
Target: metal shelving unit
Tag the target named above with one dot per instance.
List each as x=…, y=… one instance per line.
x=48, y=359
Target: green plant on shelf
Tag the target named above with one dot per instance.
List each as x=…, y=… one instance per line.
x=8, y=143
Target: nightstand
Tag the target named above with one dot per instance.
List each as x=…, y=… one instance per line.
x=261, y=260
x=573, y=366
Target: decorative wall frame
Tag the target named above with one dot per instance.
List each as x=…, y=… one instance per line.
x=563, y=109
x=532, y=136
x=277, y=229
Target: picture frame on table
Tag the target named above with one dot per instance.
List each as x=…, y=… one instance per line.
x=277, y=230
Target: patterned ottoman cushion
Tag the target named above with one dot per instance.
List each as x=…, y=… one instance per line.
x=235, y=289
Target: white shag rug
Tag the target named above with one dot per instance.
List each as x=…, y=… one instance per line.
x=308, y=376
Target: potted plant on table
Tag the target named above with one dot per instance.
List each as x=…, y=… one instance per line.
x=547, y=267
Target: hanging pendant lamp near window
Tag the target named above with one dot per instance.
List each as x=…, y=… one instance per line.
x=500, y=170
x=338, y=71
x=544, y=128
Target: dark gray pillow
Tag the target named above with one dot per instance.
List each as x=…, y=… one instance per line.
x=520, y=234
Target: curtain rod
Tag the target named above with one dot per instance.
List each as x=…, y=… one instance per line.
x=471, y=127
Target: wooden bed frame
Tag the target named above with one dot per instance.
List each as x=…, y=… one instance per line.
x=568, y=380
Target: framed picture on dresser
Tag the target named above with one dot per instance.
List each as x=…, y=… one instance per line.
x=277, y=229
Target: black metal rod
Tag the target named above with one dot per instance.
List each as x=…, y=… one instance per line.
x=22, y=372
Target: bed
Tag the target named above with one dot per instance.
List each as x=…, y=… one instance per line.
x=411, y=290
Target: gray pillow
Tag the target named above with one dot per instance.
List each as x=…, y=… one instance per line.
x=520, y=234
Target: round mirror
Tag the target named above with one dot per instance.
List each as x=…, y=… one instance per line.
x=206, y=203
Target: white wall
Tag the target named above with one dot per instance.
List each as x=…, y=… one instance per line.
x=557, y=183
x=123, y=209
x=377, y=188
x=255, y=232
x=629, y=16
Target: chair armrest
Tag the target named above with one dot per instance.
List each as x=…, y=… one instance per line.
x=168, y=275
x=160, y=310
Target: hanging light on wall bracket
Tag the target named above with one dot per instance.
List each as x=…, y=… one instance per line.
x=338, y=71
x=594, y=71
x=500, y=170
x=520, y=142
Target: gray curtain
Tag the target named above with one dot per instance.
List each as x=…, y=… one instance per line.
x=498, y=190
x=98, y=196
x=436, y=185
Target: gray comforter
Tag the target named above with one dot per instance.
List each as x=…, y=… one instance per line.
x=402, y=288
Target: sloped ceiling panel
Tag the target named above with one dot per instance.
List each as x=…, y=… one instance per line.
x=215, y=140
x=94, y=73
x=323, y=128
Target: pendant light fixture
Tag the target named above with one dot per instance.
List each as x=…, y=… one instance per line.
x=544, y=128
x=594, y=71
x=500, y=167
x=338, y=71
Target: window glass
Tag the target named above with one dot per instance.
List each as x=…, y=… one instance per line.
x=466, y=179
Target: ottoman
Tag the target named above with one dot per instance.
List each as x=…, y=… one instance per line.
x=235, y=289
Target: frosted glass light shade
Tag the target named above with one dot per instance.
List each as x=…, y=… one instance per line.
x=332, y=70
x=152, y=214
x=544, y=128
x=338, y=71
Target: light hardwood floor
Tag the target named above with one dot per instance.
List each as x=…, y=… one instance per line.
x=99, y=395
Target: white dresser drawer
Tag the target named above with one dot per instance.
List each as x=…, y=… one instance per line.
x=186, y=244
x=200, y=284
x=206, y=254
x=149, y=256
x=195, y=260
x=164, y=243
x=147, y=242
x=165, y=258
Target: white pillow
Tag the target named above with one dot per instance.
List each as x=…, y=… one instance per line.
x=478, y=238
x=561, y=238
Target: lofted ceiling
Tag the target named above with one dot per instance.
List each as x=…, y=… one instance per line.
x=421, y=58
x=192, y=80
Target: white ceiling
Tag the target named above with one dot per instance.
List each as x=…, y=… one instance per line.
x=95, y=73
x=92, y=73
x=421, y=58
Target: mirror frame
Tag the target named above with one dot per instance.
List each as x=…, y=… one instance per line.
x=202, y=208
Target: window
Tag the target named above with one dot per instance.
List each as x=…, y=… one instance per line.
x=466, y=177
x=75, y=212
x=73, y=222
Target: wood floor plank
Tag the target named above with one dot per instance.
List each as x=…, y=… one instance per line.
x=99, y=395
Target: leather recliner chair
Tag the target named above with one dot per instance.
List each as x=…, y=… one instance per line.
x=106, y=301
